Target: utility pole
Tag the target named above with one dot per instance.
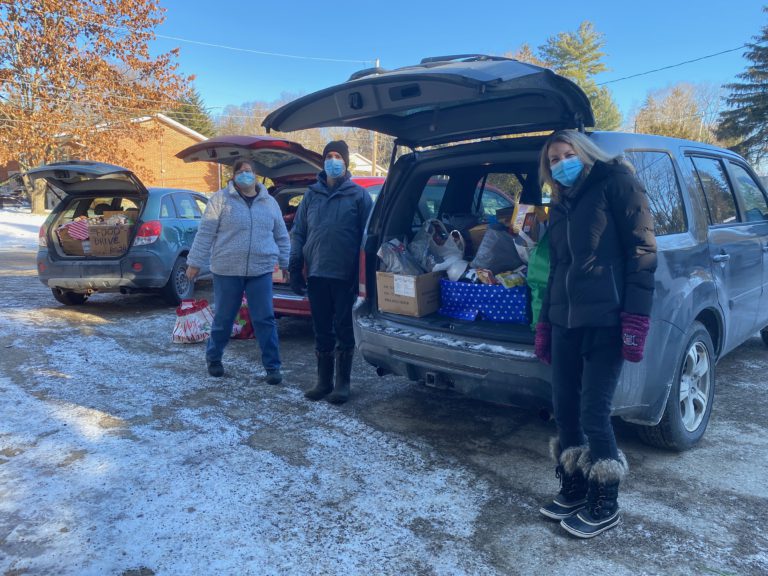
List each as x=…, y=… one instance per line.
x=375, y=144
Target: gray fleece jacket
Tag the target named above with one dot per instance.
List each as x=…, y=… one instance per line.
x=238, y=240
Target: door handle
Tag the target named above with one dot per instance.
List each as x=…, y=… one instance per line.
x=721, y=258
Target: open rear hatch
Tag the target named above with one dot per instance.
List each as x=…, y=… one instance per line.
x=440, y=100
x=99, y=210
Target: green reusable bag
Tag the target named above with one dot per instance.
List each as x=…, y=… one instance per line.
x=538, y=275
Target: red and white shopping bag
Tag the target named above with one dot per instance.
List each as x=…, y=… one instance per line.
x=193, y=321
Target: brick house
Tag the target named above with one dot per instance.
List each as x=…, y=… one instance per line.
x=154, y=161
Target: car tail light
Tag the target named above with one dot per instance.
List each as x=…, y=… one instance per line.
x=42, y=237
x=148, y=233
x=362, y=290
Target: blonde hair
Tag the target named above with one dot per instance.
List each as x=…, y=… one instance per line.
x=587, y=151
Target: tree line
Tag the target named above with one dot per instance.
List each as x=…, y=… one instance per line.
x=77, y=75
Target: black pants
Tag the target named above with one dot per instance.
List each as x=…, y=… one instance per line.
x=331, y=301
x=586, y=364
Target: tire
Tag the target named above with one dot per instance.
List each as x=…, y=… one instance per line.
x=764, y=335
x=68, y=297
x=689, y=404
x=178, y=286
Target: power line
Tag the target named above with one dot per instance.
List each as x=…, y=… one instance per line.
x=233, y=48
x=674, y=65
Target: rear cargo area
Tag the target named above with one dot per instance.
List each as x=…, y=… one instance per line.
x=95, y=227
x=455, y=244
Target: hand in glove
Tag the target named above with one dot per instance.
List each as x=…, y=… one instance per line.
x=543, y=342
x=634, y=329
x=296, y=279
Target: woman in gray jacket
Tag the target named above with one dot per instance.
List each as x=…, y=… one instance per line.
x=243, y=235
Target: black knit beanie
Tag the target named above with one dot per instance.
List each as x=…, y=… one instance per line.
x=338, y=146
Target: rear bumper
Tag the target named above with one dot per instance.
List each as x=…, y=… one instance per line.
x=84, y=274
x=289, y=304
x=508, y=374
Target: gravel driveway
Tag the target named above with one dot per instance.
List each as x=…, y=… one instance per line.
x=119, y=455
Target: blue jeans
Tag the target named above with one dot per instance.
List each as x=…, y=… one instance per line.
x=228, y=296
x=586, y=364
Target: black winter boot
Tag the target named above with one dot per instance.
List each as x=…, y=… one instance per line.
x=602, y=510
x=340, y=392
x=573, y=483
x=324, y=377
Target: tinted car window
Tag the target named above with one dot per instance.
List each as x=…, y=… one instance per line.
x=657, y=173
x=166, y=208
x=431, y=198
x=186, y=207
x=755, y=205
x=713, y=182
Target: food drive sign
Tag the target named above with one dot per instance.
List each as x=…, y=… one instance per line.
x=109, y=240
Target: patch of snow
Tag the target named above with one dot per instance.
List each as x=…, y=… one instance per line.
x=19, y=228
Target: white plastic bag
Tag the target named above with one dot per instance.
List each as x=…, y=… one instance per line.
x=193, y=322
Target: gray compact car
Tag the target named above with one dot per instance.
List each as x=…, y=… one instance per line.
x=111, y=234
x=449, y=117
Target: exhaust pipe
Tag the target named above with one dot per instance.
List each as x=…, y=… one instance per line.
x=382, y=371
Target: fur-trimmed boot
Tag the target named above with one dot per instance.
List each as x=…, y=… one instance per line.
x=602, y=510
x=324, y=377
x=340, y=392
x=573, y=484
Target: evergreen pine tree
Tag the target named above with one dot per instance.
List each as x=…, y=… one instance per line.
x=746, y=121
x=578, y=56
x=193, y=114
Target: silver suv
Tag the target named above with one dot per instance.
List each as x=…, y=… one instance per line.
x=447, y=114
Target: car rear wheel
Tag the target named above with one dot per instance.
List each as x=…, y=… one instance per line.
x=178, y=286
x=69, y=297
x=689, y=404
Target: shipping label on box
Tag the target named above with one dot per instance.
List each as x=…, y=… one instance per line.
x=109, y=240
x=408, y=295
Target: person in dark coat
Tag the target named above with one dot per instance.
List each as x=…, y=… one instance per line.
x=595, y=315
x=325, y=240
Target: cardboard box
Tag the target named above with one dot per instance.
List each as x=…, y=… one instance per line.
x=408, y=295
x=109, y=240
x=71, y=246
x=132, y=214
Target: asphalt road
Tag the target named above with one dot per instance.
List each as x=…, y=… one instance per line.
x=420, y=481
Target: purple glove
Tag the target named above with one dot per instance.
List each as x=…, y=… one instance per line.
x=543, y=342
x=634, y=329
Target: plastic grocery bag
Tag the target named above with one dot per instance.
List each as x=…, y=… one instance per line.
x=242, y=329
x=193, y=322
x=498, y=252
x=397, y=259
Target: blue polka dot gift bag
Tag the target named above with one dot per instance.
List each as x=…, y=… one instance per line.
x=465, y=301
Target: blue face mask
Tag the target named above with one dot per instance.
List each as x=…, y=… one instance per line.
x=334, y=167
x=567, y=171
x=245, y=179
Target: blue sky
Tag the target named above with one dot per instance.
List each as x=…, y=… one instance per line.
x=333, y=39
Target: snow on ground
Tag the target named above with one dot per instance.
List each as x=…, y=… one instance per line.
x=19, y=228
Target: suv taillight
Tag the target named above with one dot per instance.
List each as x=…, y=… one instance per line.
x=362, y=291
x=42, y=237
x=148, y=233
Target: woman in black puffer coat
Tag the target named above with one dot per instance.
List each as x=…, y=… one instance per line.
x=595, y=315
